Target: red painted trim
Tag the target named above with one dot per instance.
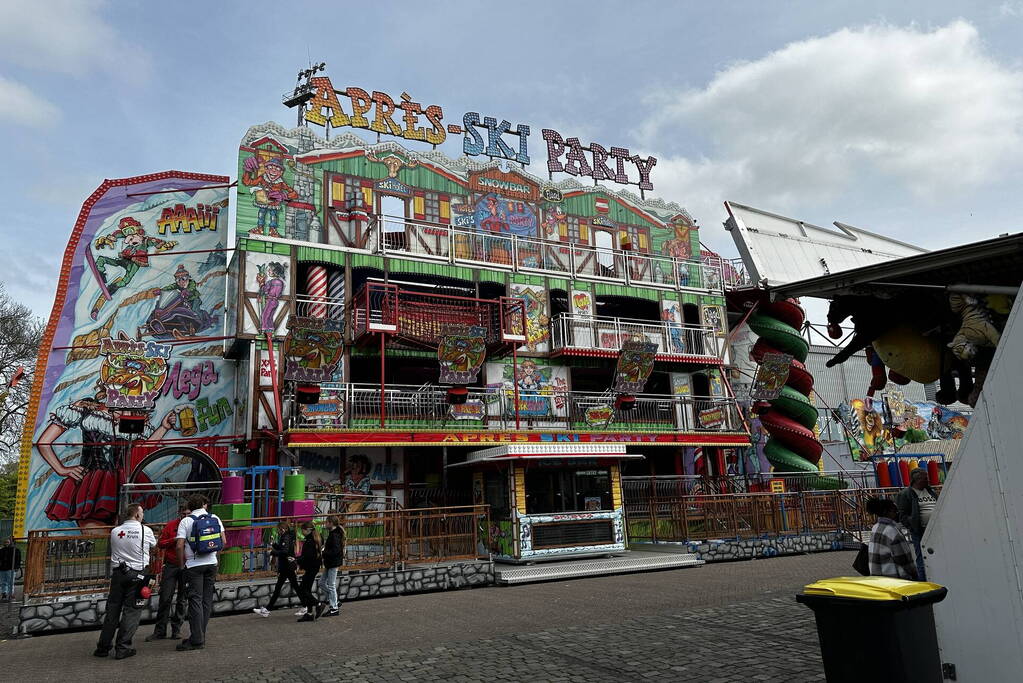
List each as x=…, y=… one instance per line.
x=333, y=156
x=438, y=438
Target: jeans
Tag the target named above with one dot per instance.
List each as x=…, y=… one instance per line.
x=7, y=582
x=172, y=585
x=328, y=582
x=921, y=573
x=122, y=614
x=284, y=575
x=202, y=585
x=264, y=213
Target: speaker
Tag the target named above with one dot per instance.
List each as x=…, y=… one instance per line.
x=307, y=393
x=457, y=395
x=625, y=402
x=131, y=424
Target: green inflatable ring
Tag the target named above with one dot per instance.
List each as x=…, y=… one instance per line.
x=779, y=335
x=780, y=456
x=798, y=407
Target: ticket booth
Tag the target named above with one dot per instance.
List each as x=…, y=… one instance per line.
x=551, y=501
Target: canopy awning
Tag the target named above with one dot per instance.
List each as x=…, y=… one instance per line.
x=560, y=451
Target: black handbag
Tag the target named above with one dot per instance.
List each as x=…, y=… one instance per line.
x=862, y=561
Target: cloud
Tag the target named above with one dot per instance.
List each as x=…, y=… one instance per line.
x=902, y=108
x=67, y=36
x=20, y=105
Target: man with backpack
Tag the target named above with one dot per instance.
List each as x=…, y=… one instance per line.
x=200, y=536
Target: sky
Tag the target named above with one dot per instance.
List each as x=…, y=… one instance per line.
x=899, y=118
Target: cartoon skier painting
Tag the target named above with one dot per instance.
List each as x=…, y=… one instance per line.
x=133, y=256
x=178, y=313
x=268, y=193
x=270, y=279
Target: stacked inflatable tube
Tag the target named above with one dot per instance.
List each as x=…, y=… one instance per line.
x=791, y=417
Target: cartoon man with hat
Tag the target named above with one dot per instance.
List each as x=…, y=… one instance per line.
x=134, y=255
x=266, y=177
x=183, y=283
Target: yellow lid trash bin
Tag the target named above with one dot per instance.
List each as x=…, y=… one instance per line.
x=876, y=628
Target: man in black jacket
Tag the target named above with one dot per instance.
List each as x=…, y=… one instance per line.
x=916, y=504
x=10, y=563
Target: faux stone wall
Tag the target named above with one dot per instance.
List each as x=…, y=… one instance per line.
x=748, y=549
x=83, y=611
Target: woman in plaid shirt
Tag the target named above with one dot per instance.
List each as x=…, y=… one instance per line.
x=889, y=552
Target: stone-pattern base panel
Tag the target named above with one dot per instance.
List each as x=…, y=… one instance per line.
x=752, y=548
x=85, y=611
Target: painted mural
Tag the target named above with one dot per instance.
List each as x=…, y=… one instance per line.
x=359, y=477
x=299, y=187
x=538, y=329
x=267, y=289
x=134, y=329
x=671, y=315
x=867, y=432
x=542, y=389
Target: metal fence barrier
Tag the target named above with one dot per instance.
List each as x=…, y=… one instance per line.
x=76, y=561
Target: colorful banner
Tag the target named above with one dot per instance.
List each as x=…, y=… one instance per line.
x=635, y=363
x=133, y=372
x=461, y=352
x=771, y=376
x=312, y=350
x=145, y=263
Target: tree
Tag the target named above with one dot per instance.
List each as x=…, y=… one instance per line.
x=20, y=334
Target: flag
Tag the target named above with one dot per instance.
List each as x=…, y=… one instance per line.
x=602, y=204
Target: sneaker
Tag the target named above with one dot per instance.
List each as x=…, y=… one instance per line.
x=302, y=612
x=125, y=654
x=320, y=606
x=155, y=636
x=262, y=612
x=185, y=646
x=308, y=617
x=100, y=652
x=331, y=613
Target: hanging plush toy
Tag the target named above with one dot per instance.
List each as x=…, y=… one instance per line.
x=976, y=330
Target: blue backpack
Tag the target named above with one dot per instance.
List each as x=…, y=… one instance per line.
x=207, y=536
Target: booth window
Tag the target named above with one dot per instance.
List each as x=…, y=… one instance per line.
x=496, y=494
x=567, y=490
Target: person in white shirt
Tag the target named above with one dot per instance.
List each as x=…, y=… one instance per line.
x=200, y=574
x=129, y=556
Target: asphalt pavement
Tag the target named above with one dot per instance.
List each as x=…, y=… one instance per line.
x=717, y=623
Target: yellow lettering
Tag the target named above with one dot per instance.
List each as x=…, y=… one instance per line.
x=361, y=103
x=325, y=98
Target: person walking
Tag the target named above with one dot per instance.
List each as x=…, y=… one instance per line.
x=200, y=535
x=889, y=552
x=172, y=582
x=916, y=504
x=129, y=556
x=283, y=551
x=10, y=563
x=333, y=558
x=309, y=560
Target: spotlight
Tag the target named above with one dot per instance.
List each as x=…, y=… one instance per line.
x=457, y=395
x=625, y=402
x=131, y=424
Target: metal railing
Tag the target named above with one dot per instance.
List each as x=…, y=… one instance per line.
x=570, y=331
x=325, y=307
x=640, y=488
x=749, y=515
x=358, y=406
x=77, y=560
x=398, y=236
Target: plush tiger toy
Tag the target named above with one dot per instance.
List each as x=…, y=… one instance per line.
x=976, y=329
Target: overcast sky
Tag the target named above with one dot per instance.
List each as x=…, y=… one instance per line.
x=901, y=118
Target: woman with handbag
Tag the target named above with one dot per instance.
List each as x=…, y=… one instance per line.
x=309, y=561
x=283, y=554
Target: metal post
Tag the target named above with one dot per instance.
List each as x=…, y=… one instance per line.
x=383, y=382
x=273, y=377
x=515, y=375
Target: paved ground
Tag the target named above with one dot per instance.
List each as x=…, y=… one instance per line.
x=722, y=622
